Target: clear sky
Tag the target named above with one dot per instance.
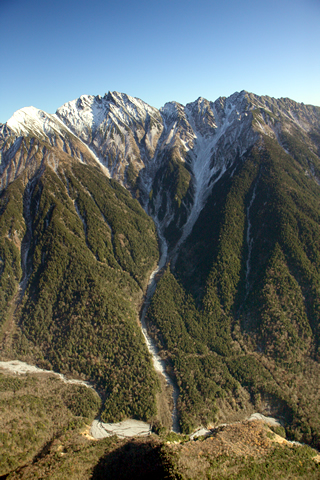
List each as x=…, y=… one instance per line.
x=53, y=51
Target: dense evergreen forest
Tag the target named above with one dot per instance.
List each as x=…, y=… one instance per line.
x=246, y=313
x=90, y=248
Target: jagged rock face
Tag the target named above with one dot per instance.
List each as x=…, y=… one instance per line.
x=169, y=158
x=121, y=130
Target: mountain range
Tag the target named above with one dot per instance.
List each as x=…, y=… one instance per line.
x=225, y=196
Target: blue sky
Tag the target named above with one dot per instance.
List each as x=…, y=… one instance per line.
x=55, y=51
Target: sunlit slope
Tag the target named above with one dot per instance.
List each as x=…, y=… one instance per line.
x=76, y=252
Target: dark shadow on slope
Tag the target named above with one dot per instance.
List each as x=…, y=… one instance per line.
x=139, y=459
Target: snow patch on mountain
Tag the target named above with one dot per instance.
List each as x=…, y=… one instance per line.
x=32, y=121
x=91, y=113
x=120, y=129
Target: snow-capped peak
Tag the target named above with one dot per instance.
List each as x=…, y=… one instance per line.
x=90, y=112
x=32, y=120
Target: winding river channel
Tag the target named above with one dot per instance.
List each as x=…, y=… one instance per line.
x=130, y=428
x=159, y=364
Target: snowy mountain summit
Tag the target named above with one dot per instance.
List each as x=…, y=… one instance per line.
x=169, y=158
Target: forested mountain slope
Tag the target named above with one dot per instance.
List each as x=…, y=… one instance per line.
x=232, y=187
x=76, y=251
x=243, y=287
